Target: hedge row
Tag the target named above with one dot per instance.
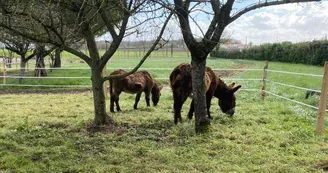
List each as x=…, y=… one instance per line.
x=313, y=53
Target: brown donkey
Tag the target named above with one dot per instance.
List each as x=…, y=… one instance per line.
x=136, y=83
x=180, y=80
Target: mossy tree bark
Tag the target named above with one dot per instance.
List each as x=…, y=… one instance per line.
x=202, y=123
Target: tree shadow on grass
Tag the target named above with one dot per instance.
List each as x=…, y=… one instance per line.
x=114, y=128
x=152, y=128
x=134, y=111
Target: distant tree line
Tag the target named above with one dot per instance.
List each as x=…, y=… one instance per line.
x=312, y=53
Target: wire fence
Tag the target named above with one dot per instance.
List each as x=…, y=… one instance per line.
x=163, y=69
x=263, y=79
x=292, y=86
x=16, y=76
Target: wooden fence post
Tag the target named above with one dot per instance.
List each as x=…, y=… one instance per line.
x=105, y=83
x=265, y=73
x=4, y=70
x=323, y=100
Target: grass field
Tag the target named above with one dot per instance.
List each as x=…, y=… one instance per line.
x=51, y=132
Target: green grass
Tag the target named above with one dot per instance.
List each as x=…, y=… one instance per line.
x=52, y=132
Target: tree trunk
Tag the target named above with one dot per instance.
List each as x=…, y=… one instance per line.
x=202, y=123
x=101, y=116
x=57, y=63
x=22, y=69
x=40, y=65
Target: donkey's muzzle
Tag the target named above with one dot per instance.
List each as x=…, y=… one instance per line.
x=231, y=112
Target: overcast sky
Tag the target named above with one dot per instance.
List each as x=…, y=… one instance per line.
x=292, y=22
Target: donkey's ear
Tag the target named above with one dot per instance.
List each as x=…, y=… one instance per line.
x=234, y=89
x=232, y=85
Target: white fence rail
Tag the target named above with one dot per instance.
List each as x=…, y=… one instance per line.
x=4, y=77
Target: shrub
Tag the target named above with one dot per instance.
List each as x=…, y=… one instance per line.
x=312, y=53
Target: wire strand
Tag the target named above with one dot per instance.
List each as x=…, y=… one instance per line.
x=293, y=86
x=282, y=97
x=296, y=73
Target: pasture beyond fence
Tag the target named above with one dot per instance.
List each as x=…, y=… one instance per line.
x=322, y=102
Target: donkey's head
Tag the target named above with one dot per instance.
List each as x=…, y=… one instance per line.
x=156, y=93
x=227, y=99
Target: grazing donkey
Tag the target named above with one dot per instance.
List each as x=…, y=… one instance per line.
x=180, y=80
x=136, y=83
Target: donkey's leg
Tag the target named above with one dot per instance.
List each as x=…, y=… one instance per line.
x=208, y=104
x=191, y=110
x=136, y=101
x=117, y=101
x=177, y=108
x=113, y=98
x=178, y=102
x=118, y=108
x=147, y=97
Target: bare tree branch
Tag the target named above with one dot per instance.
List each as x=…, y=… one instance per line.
x=116, y=42
x=15, y=31
x=146, y=55
x=108, y=24
x=77, y=53
x=181, y=9
x=197, y=26
x=215, y=5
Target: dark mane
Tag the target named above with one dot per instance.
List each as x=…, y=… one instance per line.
x=221, y=88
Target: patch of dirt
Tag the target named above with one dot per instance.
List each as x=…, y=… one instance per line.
x=156, y=131
x=107, y=129
x=230, y=73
